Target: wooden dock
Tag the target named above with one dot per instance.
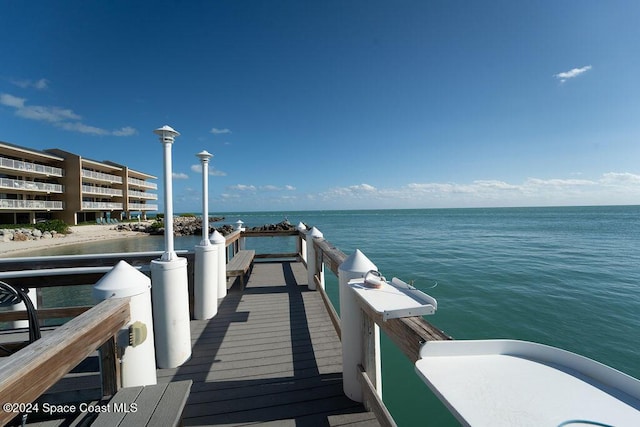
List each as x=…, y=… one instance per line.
x=271, y=355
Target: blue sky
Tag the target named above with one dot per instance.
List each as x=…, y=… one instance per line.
x=337, y=104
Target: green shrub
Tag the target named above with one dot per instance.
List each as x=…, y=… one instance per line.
x=187, y=215
x=56, y=225
x=156, y=225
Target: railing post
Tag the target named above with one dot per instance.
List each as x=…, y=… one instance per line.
x=136, y=339
x=354, y=266
x=312, y=261
x=302, y=246
x=242, y=241
x=219, y=241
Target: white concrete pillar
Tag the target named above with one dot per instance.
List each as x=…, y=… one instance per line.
x=311, y=259
x=355, y=266
x=220, y=242
x=136, y=339
x=205, y=287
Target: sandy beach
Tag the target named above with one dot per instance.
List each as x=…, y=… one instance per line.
x=79, y=234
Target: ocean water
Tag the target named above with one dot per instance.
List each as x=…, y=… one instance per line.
x=567, y=277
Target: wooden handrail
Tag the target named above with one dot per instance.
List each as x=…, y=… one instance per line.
x=27, y=374
x=408, y=333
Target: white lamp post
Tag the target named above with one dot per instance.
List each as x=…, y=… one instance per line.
x=204, y=157
x=167, y=135
x=205, y=290
x=170, y=294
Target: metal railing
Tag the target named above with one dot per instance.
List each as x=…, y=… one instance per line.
x=142, y=183
x=101, y=176
x=17, y=184
x=143, y=207
x=102, y=205
x=29, y=167
x=101, y=190
x=45, y=205
x=142, y=195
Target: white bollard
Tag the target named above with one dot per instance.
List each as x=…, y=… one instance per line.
x=311, y=260
x=355, y=266
x=136, y=339
x=205, y=287
x=170, y=298
x=303, y=246
x=220, y=242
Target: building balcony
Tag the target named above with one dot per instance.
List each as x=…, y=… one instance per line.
x=111, y=192
x=142, y=183
x=31, y=205
x=101, y=177
x=27, y=168
x=143, y=207
x=133, y=194
x=101, y=206
x=29, y=186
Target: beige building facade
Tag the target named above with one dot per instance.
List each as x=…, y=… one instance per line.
x=56, y=184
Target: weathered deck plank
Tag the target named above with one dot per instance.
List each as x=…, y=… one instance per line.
x=270, y=356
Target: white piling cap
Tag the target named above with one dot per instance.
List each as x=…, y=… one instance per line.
x=122, y=281
x=301, y=226
x=217, y=237
x=357, y=262
x=314, y=232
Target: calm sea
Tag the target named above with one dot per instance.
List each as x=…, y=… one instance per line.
x=567, y=277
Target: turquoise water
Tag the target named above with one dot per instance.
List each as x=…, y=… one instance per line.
x=567, y=277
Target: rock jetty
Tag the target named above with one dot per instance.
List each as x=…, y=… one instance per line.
x=189, y=226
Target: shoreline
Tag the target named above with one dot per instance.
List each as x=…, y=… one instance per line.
x=79, y=234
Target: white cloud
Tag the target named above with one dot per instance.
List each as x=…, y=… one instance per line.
x=609, y=188
x=82, y=128
x=363, y=187
x=269, y=188
x=217, y=131
x=62, y=118
x=38, y=84
x=564, y=76
x=12, y=101
x=179, y=175
x=125, y=131
x=289, y=187
x=242, y=187
x=212, y=171
x=47, y=114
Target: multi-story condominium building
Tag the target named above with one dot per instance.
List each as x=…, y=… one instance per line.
x=56, y=184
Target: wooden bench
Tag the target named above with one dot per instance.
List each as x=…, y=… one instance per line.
x=152, y=405
x=240, y=264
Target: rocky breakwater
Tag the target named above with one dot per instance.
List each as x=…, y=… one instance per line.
x=182, y=226
x=281, y=226
x=24, y=234
x=189, y=226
